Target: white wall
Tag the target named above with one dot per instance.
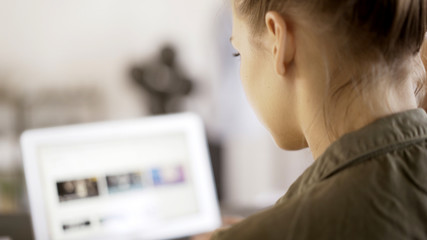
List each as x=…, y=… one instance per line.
x=64, y=43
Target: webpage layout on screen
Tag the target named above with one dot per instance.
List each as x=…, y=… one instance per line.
x=116, y=186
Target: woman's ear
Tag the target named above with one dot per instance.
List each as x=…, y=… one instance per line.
x=282, y=41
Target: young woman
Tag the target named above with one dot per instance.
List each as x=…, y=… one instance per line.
x=344, y=78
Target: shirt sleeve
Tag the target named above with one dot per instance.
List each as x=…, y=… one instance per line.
x=341, y=208
x=269, y=224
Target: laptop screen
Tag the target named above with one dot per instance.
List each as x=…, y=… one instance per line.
x=116, y=185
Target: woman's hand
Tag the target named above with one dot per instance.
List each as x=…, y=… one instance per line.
x=226, y=221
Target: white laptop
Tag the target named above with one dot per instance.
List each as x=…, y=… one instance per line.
x=149, y=178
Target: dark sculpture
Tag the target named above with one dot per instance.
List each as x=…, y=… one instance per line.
x=163, y=81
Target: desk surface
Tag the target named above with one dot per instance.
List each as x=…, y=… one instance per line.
x=16, y=226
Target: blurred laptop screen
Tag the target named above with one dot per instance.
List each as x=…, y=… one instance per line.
x=116, y=185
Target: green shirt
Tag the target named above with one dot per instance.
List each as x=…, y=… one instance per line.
x=369, y=184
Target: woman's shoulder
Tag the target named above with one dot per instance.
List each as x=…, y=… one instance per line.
x=382, y=196
x=369, y=185
x=379, y=199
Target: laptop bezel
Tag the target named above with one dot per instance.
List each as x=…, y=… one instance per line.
x=209, y=215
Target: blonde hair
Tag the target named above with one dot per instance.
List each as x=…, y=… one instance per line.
x=395, y=27
x=373, y=38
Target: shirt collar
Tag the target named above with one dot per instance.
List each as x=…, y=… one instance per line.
x=391, y=130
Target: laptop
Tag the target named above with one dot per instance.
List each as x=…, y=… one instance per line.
x=147, y=178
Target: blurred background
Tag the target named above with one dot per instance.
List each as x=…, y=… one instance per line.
x=66, y=62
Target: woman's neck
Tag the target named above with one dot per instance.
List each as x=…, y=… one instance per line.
x=351, y=114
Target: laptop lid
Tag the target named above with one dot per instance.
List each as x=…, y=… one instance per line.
x=149, y=178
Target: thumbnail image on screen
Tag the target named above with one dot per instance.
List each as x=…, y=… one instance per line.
x=125, y=182
x=77, y=189
x=168, y=175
